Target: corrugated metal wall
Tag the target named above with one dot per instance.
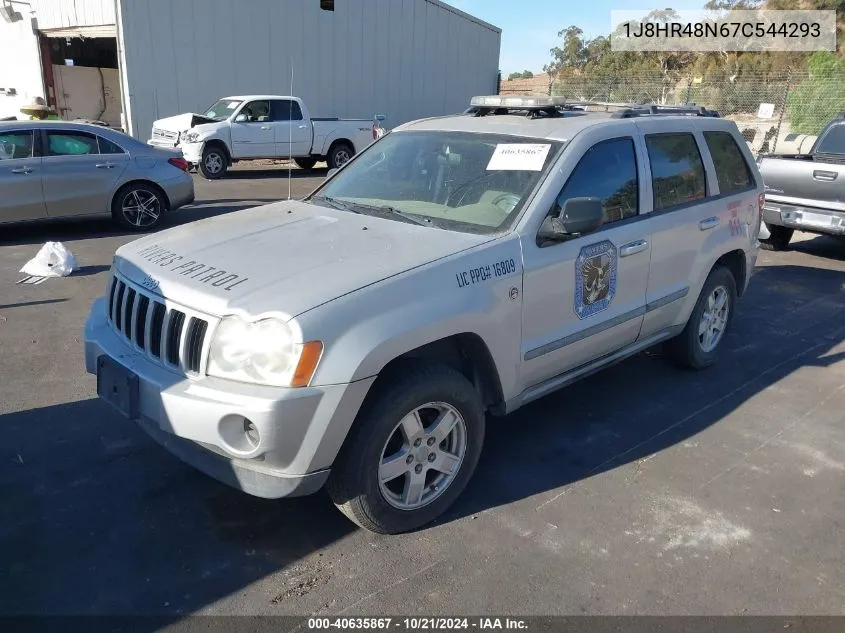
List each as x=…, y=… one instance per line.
x=403, y=58
x=57, y=14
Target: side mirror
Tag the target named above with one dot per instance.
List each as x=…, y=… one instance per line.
x=241, y=118
x=578, y=216
x=331, y=173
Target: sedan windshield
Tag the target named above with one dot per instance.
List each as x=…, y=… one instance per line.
x=222, y=109
x=461, y=181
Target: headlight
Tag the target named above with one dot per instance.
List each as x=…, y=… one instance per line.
x=262, y=352
x=191, y=137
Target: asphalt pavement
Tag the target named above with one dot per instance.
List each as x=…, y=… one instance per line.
x=641, y=490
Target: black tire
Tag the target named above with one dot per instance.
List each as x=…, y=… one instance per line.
x=778, y=239
x=340, y=154
x=305, y=163
x=214, y=163
x=354, y=485
x=126, y=200
x=686, y=349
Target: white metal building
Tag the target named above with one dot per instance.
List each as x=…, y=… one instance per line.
x=129, y=62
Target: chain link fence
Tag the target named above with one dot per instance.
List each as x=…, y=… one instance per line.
x=775, y=112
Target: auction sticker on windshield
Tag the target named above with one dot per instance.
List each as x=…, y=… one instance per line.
x=519, y=157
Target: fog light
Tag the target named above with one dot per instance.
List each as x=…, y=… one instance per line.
x=251, y=432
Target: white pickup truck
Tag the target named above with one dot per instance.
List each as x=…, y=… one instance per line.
x=263, y=126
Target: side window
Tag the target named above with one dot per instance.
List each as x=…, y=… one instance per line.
x=677, y=173
x=107, y=147
x=732, y=170
x=286, y=111
x=257, y=111
x=16, y=145
x=834, y=141
x=71, y=144
x=607, y=171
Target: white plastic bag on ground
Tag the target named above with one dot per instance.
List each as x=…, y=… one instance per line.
x=53, y=260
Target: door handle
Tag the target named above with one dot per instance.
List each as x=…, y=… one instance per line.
x=709, y=223
x=302, y=127
x=265, y=127
x=104, y=165
x=827, y=176
x=22, y=170
x=633, y=248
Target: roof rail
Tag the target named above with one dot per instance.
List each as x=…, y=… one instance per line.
x=651, y=110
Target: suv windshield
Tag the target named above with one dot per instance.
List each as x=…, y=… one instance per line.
x=222, y=109
x=462, y=181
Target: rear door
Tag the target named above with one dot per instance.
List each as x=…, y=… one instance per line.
x=77, y=178
x=292, y=132
x=21, y=196
x=692, y=222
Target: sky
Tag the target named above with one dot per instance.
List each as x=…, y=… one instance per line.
x=530, y=27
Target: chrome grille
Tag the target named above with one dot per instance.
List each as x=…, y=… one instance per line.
x=175, y=337
x=164, y=134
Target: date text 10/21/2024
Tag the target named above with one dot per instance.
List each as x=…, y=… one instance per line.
x=417, y=623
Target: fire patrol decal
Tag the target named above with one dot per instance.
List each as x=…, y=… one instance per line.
x=481, y=274
x=736, y=227
x=189, y=268
x=595, y=278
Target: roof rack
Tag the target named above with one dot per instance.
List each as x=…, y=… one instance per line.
x=543, y=106
x=651, y=110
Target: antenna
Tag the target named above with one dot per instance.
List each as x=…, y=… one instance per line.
x=290, y=129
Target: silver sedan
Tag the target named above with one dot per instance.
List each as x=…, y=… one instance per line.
x=58, y=169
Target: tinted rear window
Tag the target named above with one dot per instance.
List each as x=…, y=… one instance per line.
x=834, y=141
x=732, y=170
x=677, y=172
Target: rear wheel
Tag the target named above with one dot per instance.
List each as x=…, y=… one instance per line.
x=411, y=452
x=214, y=162
x=138, y=207
x=779, y=237
x=698, y=345
x=305, y=163
x=340, y=154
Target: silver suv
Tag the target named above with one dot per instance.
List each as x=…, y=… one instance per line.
x=459, y=266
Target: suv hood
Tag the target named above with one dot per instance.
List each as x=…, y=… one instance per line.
x=286, y=257
x=182, y=122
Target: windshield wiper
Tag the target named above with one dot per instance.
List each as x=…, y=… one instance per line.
x=334, y=203
x=394, y=211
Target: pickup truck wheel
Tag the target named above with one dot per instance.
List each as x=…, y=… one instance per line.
x=214, y=163
x=778, y=239
x=411, y=451
x=305, y=163
x=698, y=345
x=339, y=155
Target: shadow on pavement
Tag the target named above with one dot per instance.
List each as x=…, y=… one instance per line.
x=825, y=246
x=97, y=518
x=26, y=304
x=789, y=318
x=279, y=173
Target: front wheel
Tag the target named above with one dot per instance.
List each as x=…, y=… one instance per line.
x=698, y=345
x=214, y=162
x=411, y=452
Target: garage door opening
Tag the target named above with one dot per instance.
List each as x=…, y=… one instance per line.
x=81, y=75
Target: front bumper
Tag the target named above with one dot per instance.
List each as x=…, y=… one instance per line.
x=192, y=152
x=198, y=419
x=800, y=218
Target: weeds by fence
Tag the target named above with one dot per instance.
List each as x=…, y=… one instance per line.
x=798, y=103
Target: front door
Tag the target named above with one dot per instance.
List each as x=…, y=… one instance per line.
x=21, y=196
x=78, y=179
x=253, y=136
x=292, y=133
x=584, y=298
